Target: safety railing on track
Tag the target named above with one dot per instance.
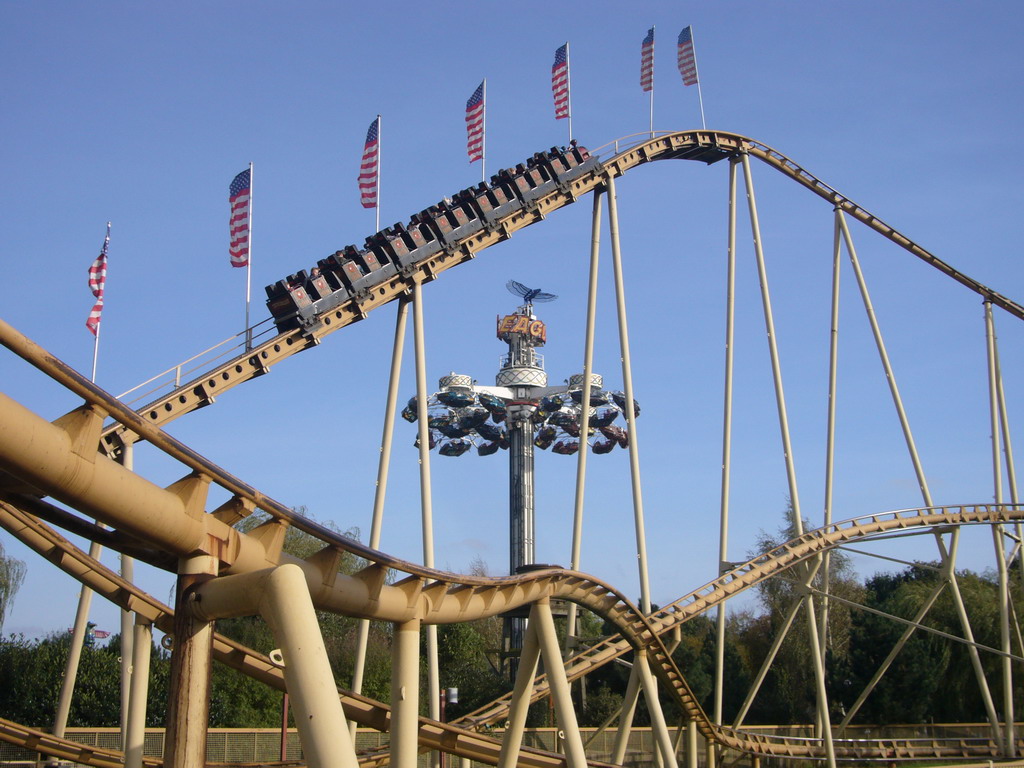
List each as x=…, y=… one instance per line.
x=183, y=373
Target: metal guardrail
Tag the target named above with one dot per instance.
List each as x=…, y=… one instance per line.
x=173, y=377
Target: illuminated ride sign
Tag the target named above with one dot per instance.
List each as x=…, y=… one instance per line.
x=522, y=324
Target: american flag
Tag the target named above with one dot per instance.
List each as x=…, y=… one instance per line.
x=687, y=60
x=647, y=61
x=475, y=124
x=560, y=82
x=239, y=195
x=369, y=166
x=97, y=283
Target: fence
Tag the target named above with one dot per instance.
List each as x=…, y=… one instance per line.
x=263, y=745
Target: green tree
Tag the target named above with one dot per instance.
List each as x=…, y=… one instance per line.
x=788, y=694
x=12, y=574
x=933, y=677
x=468, y=658
x=908, y=691
x=31, y=672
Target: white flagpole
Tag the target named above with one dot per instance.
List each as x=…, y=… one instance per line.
x=380, y=144
x=700, y=96
x=248, y=268
x=96, y=349
x=568, y=86
x=96, y=339
x=483, y=148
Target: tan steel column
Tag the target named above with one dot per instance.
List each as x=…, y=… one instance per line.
x=884, y=667
x=949, y=570
x=1011, y=472
x=769, y=324
x=377, y=519
x=519, y=703
x=67, y=686
x=188, y=705
x=886, y=365
x=312, y=692
x=691, y=744
x=830, y=429
x=1009, y=747
x=626, y=717
x=723, y=518
x=405, y=694
x=127, y=628
x=426, y=503
x=541, y=617
x=588, y=365
x=818, y=664
x=627, y=386
x=135, y=717
x=281, y=596
x=658, y=725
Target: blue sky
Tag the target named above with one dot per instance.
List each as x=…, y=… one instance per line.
x=141, y=114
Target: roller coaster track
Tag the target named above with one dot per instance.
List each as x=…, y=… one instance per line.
x=64, y=749
x=44, y=540
x=636, y=630
x=556, y=583
x=704, y=146
x=435, y=596
x=753, y=572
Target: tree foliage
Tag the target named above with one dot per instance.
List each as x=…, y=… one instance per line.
x=12, y=574
x=788, y=694
x=32, y=672
x=931, y=680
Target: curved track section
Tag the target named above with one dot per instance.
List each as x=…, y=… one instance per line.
x=757, y=570
x=704, y=146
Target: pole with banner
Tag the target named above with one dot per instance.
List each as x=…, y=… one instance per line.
x=97, y=284
x=687, y=62
x=476, y=127
x=369, y=170
x=240, y=227
x=483, y=145
x=647, y=70
x=560, y=86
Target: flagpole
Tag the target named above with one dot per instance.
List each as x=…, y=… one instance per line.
x=95, y=351
x=700, y=98
x=96, y=338
x=568, y=86
x=248, y=269
x=696, y=73
x=483, y=137
x=379, y=145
